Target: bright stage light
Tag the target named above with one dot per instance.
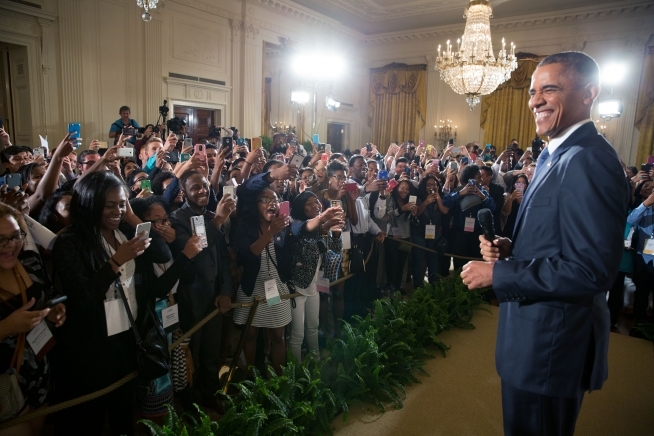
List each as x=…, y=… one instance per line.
x=300, y=97
x=613, y=73
x=332, y=104
x=609, y=109
x=316, y=66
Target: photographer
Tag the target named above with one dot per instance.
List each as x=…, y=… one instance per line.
x=124, y=121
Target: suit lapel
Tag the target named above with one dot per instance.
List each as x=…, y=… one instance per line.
x=583, y=131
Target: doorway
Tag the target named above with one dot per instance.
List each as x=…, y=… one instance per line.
x=198, y=121
x=15, y=104
x=336, y=136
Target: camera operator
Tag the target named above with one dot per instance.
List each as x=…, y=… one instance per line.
x=124, y=121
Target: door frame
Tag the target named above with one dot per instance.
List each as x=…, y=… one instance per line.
x=192, y=103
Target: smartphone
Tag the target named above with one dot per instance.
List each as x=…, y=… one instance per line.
x=315, y=138
x=413, y=199
x=143, y=228
x=188, y=142
x=382, y=175
x=102, y=151
x=520, y=187
x=351, y=187
x=421, y=143
x=197, y=226
x=146, y=184
x=255, y=143
x=285, y=208
x=488, y=146
x=228, y=189
x=392, y=184
x=456, y=150
x=465, y=161
x=50, y=303
x=336, y=203
x=13, y=180
x=227, y=142
x=172, y=157
x=240, y=142
x=321, y=147
x=530, y=149
x=328, y=148
x=297, y=160
x=200, y=150
x=38, y=151
x=75, y=129
x=324, y=157
x=125, y=152
x=435, y=162
x=369, y=147
x=453, y=165
x=184, y=157
x=129, y=131
x=407, y=170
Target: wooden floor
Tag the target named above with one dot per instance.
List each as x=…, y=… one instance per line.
x=462, y=394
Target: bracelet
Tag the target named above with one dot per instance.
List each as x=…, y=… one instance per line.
x=249, y=163
x=111, y=259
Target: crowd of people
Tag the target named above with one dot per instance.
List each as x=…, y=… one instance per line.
x=227, y=225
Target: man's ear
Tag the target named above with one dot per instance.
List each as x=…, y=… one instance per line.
x=591, y=92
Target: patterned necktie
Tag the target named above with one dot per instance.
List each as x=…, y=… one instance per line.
x=541, y=161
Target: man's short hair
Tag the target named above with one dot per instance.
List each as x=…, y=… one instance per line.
x=185, y=176
x=236, y=162
x=13, y=150
x=82, y=155
x=211, y=146
x=354, y=158
x=270, y=163
x=401, y=159
x=123, y=109
x=487, y=170
x=582, y=68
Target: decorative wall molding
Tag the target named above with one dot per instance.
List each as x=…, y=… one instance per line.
x=247, y=28
x=372, y=11
x=70, y=36
x=152, y=36
x=26, y=13
x=611, y=11
x=181, y=89
x=201, y=42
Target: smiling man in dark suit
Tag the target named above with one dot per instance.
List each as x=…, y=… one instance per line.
x=551, y=280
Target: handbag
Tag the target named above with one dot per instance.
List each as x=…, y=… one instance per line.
x=153, y=358
x=332, y=264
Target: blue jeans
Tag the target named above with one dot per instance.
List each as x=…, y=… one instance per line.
x=418, y=237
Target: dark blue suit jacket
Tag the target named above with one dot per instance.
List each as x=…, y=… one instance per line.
x=554, y=323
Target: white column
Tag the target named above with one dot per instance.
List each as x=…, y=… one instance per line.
x=70, y=38
x=252, y=74
x=433, y=77
x=236, y=117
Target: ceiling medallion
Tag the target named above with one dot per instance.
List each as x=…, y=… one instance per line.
x=473, y=70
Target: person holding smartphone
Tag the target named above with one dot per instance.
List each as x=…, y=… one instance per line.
x=513, y=200
x=124, y=121
x=20, y=296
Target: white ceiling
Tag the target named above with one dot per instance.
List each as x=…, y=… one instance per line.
x=380, y=16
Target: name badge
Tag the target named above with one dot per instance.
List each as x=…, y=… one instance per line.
x=170, y=318
x=272, y=293
x=117, y=320
x=430, y=231
x=41, y=339
x=627, y=241
x=469, y=225
x=347, y=244
x=649, y=246
x=323, y=285
x=397, y=233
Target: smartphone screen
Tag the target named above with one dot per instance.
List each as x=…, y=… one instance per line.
x=74, y=128
x=336, y=203
x=297, y=160
x=184, y=157
x=285, y=208
x=172, y=157
x=143, y=228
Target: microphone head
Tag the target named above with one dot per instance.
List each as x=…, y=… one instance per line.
x=485, y=216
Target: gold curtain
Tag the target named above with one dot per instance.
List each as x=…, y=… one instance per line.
x=505, y=113
x=645, y=110
x=266, y=106
x=398, y=103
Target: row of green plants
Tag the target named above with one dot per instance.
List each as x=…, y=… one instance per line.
x=374, y=360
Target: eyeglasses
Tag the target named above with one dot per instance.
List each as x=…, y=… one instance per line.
x=160, y=222
x=268, y=200
x=140, y=179
x=15, y=239
x=340, y=178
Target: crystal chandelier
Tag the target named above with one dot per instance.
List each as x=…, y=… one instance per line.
x=147, y=5
x=473, y=70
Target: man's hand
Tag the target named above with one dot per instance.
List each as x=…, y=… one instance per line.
x=284, y=172
x=64, y=149
x=160, y=159
x=66, y=166
x=498, y=250
x=15, y=197
x=225, y=207
x=380, y=237
x=171, y=142
x=93, y=145
x=477, y=275
x=375, y=186
x=223, y=302
x=4, y=138
x=193, y=247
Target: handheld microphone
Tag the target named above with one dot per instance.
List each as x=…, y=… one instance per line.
x=485, y=217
